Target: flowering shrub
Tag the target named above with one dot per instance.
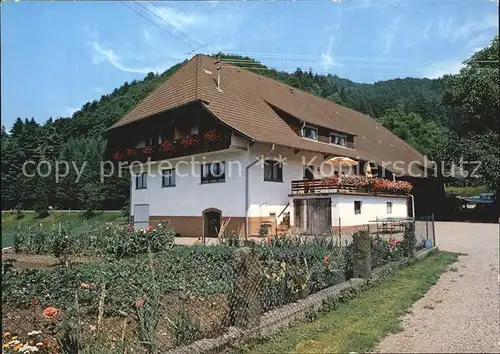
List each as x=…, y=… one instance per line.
x=190, y=140
x=212, y=135
x=385, y=251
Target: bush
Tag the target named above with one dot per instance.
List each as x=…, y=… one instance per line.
x=385, y=251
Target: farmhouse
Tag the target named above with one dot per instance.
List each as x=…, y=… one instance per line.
x=225, y=146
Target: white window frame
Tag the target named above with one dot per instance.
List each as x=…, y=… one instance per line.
x=312, y=128
x=141, y=180
x=168, y=175
x=333, y=136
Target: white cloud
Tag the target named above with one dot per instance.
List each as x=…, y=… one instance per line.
x=101, y=54
x=178, y=19
x=327, y=59
x=390, y=32
x=441, y=68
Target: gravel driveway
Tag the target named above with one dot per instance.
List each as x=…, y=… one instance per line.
x=461, y=312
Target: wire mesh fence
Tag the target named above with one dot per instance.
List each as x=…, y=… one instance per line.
x=177, y=298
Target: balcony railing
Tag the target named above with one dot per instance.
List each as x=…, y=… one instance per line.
x=191, y=145
x=322, y=186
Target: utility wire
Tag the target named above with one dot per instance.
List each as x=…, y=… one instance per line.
x=181, y=28
x=154, y=23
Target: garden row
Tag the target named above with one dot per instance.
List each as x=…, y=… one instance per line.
x=110, y=239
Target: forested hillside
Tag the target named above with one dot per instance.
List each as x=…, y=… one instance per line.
x=412, y=108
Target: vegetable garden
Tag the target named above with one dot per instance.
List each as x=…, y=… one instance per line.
x=144, y=294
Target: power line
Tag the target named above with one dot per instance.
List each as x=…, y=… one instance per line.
x=179, y=26
x=160, y=27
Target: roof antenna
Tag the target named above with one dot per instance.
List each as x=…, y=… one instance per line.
x=218, y=71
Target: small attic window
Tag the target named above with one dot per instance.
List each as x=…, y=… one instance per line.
x=309, y=132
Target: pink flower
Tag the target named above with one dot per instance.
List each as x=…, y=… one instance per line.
x=85, y=285
x=139, y=303
x=149, y=228
x=325, y=260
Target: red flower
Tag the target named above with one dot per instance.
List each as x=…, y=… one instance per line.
x=269, y=241
x=325, y=260
x=167, y=146
x=117, y=155
x=50, y=312
x=131, y=152
x=34, y=301
x=149, y=228
x=212, y=135
x=85, y=285
x=190, y=140
x=148, y=150
x=139, y=303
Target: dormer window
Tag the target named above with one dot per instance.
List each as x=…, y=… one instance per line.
x=338, y=139
x=310, y=132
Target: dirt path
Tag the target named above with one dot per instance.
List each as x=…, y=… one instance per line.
x=461, y=312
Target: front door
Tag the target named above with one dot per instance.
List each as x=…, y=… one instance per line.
x=212, y=223
x=141, y=216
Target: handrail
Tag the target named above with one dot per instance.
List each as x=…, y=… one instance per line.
x=286, y=206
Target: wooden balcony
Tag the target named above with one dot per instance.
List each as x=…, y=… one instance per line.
x=321, y=186
x=195, y=144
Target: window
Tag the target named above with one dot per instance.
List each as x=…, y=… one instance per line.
x=213, y=172
x=357, y=207
x=141, y=181
x=168, y=178
x=389, y=207
x=310, y=132
x=338, y=139
x=273, y=171
x=194, y=129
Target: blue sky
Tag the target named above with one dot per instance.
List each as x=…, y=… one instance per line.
x=56, y=56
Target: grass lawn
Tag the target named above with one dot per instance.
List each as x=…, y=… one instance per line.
x=467, y=191
x=74, y=220
x=357, y=325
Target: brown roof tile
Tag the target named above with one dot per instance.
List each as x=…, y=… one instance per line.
x=244, y=104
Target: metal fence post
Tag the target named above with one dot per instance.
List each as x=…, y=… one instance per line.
x=433, y=231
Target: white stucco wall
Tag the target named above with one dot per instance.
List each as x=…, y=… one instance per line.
x=190, y=197
x=272, y=197
x=371, y=208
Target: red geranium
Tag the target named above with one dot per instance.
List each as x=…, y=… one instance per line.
x=117, y=155
x=167, y=146
x=325, y=259
x=212, y=135
x=148, y=150
x=131, y=152
x=190, y=140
